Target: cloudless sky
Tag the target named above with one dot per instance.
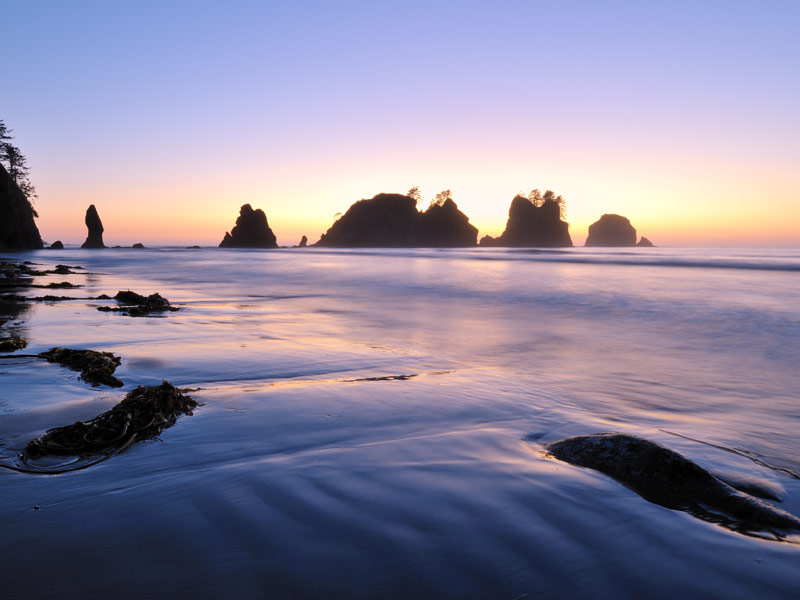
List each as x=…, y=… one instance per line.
x=168, y=116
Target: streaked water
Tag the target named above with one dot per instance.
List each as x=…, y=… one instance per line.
x=306, y=475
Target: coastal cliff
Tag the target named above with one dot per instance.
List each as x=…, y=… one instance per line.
x=18, y=230
x=393, y=221
x=533, y=224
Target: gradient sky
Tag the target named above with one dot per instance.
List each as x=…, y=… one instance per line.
x=168, y=116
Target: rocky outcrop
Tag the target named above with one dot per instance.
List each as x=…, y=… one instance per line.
x=610, y=231
x=393, y=221
x=532, y=226
x=95, y=227
x=251, y=231
x=645, y=243
x=303, y=242
x=57, y=245
x=664, y=477
x=18, y=230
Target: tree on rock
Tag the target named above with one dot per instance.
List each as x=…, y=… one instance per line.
x=17, y=165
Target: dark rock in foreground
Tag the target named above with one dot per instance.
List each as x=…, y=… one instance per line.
x=95, y=227
x=393, y=221
x=96, y=368
x=18, y=230
x=142, y=415
x=610, y=231
x=664, y=477
x=251, y=231
x=532, y=226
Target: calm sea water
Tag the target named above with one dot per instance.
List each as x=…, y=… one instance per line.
x=312, y=471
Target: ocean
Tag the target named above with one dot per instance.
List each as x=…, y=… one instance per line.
x=372, y=424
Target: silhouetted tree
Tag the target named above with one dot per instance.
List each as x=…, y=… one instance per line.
x=441, y=198
x=415, y=194
x=16, y=164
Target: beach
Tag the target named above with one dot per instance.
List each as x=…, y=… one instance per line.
x=372, y=423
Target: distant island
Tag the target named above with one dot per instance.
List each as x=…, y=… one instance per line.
x=393, y=221
x=614, y=231
x=534, y=221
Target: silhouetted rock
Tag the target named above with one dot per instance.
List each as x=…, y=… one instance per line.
x=251, y=231
x=95, y=226
x=138, y=246
x=644, y=243
x=303, y=242
x=393, y=221
x=57, y=245
x=611, y=230
x=17, y=228
x=532, y=226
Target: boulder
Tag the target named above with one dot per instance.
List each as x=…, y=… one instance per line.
x=251, y=231
x=57, y=245
x=95, y=227
x=18, y=230
x=393, y=221
x=611, y=230
x=138, y=246
x=532, y=226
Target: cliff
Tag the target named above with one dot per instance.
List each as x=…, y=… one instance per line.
x=393, y=221
x=18, y=230
x=532, y=226
x=251, y=231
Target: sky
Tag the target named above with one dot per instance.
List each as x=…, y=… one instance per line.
x=168, y=116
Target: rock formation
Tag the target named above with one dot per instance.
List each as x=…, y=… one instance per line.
x=303, y=242
x=532, y=226
x=664, y=477
x=95, y=227
x=611, y=230
x=393, y=221
x=17, y=228
x=644, y=243
x=251, y=231
x=57, y=245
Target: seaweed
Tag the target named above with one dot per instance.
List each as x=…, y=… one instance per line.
x=96, y=368
x=142, y=415
x=12, y=344
x=137, y=305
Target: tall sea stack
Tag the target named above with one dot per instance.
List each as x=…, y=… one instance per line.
x=17, y=228
x=95, y=227
x=251, y=231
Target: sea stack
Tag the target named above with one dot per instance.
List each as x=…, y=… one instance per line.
x=95, y=227
x=393, y=221
x=610, y=231
x=251, y=231
x=533, y=224
x=17, y=228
